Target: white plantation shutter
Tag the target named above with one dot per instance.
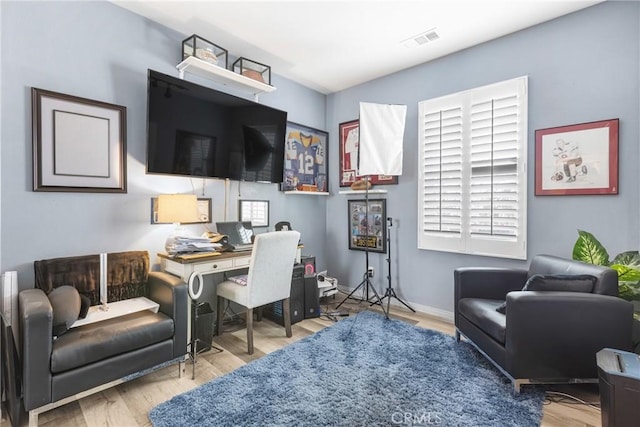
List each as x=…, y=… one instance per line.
x=442, y=156
x=472, y=188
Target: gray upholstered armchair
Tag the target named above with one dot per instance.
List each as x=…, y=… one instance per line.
x=543, y=336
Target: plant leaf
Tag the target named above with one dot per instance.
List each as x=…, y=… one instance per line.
x=626, y=273
x=629, y=291
x=629, y=258
x=588, y=249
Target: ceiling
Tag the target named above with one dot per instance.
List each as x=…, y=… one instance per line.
x=333, y=45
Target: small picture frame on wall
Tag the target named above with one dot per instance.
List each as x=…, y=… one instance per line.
x=580, y=159
x=255, y=211
x=367, y=225
x=79, y=145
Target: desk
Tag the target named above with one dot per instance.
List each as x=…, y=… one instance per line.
x=191, y=270
x=184, y=268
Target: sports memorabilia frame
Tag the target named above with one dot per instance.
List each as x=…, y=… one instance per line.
x=349, y=144
x=580, y=159
x=305, y=159
x=367, y=226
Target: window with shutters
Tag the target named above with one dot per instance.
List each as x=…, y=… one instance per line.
x=472, y=171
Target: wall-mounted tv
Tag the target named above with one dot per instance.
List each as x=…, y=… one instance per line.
x=193, y=130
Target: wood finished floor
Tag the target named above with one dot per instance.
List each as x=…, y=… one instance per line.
x=128, y=404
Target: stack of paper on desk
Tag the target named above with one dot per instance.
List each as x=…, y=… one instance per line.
x=182, y=244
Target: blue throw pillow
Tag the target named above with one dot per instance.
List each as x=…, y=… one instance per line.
x=556, y=283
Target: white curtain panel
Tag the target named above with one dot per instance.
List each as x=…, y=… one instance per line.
x=381, y=136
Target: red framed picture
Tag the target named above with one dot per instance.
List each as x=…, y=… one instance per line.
x=349, y=134
x=577, y=159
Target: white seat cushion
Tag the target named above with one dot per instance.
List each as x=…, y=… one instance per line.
x=234, y=292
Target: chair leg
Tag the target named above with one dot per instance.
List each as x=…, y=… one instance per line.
x=220, y=304
x=250, y=330
x=259, y=313
x=286, y=307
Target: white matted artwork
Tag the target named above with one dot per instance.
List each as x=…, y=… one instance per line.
x=578, y=159
x=79, y=145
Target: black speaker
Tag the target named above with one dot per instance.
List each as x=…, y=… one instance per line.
x=311, y=299
x=619, y=378
x=309, y=263
x=296, y=300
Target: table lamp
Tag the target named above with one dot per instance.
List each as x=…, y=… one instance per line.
x=177, y=209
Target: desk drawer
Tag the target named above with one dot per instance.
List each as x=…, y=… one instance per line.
x=242, y=262
x=211, y=266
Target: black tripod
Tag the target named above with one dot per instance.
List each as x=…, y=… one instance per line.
x=366, y=282
x=390, y=293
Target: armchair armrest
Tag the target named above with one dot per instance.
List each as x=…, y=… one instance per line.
x=36, y=325
x=557, y=334
x=487, y=282
x=170, y=292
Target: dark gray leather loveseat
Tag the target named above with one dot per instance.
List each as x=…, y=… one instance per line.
x=96, y=354
x=543, y=337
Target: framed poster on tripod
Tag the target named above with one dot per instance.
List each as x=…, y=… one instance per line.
x=367, y=227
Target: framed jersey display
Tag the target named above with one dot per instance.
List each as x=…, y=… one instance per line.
x=349, y=142
x=305, y=159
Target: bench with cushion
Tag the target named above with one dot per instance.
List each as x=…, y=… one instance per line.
x=60, y=361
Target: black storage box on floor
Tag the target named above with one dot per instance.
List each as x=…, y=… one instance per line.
x=204, y=320
x=619, y=378
x=296, y=301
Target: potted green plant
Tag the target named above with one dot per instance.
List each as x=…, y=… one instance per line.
x=589, y=249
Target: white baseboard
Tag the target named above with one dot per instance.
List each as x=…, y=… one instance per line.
x=443, y=315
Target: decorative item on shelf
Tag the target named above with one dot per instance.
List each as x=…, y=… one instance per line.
x=253, y=70
x=361, y=184
x=205, y=50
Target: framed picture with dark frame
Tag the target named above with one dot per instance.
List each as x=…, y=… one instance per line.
x=349, y=138
x=578, y=159
x=255, y=211
x=204, y=211
x=367, y=225
x=305, y=159
x=79, y=145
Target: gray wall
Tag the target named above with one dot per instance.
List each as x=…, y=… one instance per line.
x=582, y=67
x=100, y=51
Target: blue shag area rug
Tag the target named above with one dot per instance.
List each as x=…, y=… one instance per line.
x=363, y=371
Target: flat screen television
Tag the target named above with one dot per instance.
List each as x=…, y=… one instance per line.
x=193, y=130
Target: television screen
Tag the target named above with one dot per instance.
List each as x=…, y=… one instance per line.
x=193, y=130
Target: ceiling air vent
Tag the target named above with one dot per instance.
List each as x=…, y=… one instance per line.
x=422, y=38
